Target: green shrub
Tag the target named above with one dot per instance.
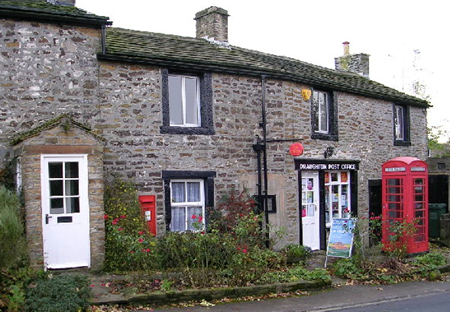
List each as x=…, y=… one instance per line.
x=348, y=268
x=12, y=239
x=129, y=246
x=122, y=203
x=432, y=259
x=195, y=250
x=427, y=265
x=12, y=290
x=128, y=249
x=296, y=253
x=56, y=293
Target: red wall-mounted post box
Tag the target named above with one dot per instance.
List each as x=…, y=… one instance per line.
x=148, y=206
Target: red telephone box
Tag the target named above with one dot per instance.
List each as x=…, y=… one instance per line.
x=405, y=199
x=148, y=206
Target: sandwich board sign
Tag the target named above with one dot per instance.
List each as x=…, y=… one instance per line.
x=340, y=242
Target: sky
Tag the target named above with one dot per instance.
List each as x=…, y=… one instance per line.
x=407, y=40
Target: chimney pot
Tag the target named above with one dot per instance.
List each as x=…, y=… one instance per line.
x=346, y=47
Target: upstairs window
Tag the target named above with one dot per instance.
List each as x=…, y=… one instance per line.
x=399, y=122
x=320, y=112
x=401, y=125
x=323, y=116
x=184, y=101
x=187, y=103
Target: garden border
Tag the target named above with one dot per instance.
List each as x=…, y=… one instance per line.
x=177, y=296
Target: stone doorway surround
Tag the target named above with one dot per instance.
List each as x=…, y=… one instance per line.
x=61, y=135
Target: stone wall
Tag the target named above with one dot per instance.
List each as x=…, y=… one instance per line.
x=45, y=70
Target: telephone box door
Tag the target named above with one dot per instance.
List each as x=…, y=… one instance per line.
x=405, y=205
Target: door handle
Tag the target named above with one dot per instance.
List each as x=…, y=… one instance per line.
x=46, y=218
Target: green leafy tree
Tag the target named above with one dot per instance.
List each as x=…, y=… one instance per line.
x=438, y=142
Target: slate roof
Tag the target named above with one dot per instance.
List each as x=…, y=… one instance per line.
x=39, y=10
x=191, y=53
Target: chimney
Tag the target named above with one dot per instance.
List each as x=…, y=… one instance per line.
x=212, y=23
x=352, y=63
x=62, y=2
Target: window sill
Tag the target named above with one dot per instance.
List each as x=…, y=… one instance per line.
x=402, y=143
x=186, y=130
x=325, y=137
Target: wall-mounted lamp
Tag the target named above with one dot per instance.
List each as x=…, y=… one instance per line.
x=306, y=94
x=328, y=152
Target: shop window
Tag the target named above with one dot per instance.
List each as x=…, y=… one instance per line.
x=337, y=196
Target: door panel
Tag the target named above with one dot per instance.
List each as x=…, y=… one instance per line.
x=310, y=210
x=65, y=211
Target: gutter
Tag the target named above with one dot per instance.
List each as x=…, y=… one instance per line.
x=54, y=17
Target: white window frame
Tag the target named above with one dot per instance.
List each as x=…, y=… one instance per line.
x=319, y=107
x=399, y=122
x=186, y=204
x=340, y=200
x=81, y=159
x=184, y=122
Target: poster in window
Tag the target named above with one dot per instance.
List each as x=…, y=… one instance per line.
x=344, y=200
x=344, y=177
x=310, y=197
x=334, y=176
x=310, y=210
x=327, y=177
x=310, y=184
x=335, y=197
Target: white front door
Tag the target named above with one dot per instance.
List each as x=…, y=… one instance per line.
x=65, y=211
x=310, y=210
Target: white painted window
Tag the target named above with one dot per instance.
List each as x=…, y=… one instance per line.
x=187, y=205
x=184, y=101
x=399, y=122
x=320, y=106
x=63, y=186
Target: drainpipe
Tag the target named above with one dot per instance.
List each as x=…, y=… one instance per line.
x=264, y=133
x=258, y=148
x=103, y=39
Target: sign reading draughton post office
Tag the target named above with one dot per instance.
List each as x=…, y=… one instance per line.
x=340, y=242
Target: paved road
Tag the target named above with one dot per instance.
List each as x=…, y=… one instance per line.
x=349, y=298
x=437, y=302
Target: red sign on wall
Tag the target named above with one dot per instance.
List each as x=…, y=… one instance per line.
x=296, y=149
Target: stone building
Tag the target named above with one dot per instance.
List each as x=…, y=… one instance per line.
x=187, y=120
